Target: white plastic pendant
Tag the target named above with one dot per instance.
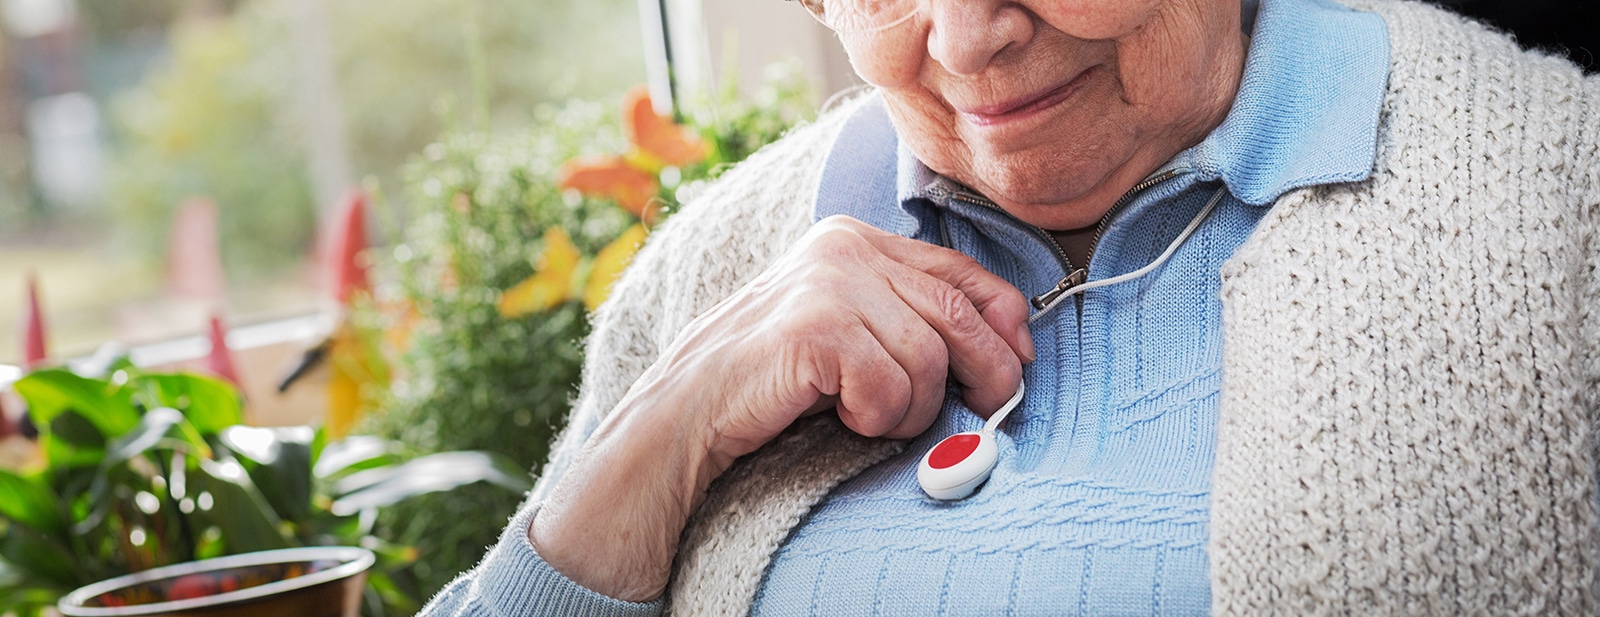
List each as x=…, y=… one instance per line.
x=955, y=467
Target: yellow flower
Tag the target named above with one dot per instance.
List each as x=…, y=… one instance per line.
x=551, y=280
x=343, y=391
x=354, y=368
x=608, y=265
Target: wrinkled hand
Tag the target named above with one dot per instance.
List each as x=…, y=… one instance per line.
x=851, y=317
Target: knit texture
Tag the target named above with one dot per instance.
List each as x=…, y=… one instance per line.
x=1098, y=504
x=755, y=505
x=1409, y=374
x=1408, y=405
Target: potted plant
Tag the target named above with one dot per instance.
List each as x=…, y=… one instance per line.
x=143, y=470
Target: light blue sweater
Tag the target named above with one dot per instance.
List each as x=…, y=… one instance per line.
x=1099, y=502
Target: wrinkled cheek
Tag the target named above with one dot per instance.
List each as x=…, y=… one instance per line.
x=1096, y=20
x=919, y=114
x=929, y=130
x=888, y=63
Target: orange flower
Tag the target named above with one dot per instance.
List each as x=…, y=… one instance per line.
x=631, y=179
x=612, y=176
x=658, y=135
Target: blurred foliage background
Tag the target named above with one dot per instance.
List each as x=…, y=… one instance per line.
x=205, y=98
x=223, y=108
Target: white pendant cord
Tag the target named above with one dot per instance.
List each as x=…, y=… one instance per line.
x=1171, y=248
x=1005, y=410
x=958, y=464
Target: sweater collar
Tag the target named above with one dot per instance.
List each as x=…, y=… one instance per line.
x=1308, y=104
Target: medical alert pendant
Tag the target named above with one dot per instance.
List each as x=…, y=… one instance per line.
x=961, y=462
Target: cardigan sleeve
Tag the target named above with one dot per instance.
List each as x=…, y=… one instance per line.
x=512, y=580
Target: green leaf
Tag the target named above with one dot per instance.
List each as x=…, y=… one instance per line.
x=159, y=426
x=210, y=545
x=210, y=404
x=318, y=444
x=27, y=601
x=52, y=391
x=437, y=472
x=246, y=520
x=31, y=503
x=23, y=596
x=354, y=453
x=330, y=529
x=121, y=363
x=393, y=597
x=72, y=428
x=390, y=555
x=40, y=558
x=70, y=441
x=279, y=462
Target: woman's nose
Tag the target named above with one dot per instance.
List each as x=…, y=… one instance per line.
x=965, y=35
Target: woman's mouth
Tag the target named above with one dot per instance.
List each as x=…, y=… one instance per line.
x=1024, y=107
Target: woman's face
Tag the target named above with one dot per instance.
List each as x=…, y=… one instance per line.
x=1054, y=108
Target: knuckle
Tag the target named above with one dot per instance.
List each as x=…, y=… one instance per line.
x=1010, y=301
x=806, y=285
x=963, y=260
x=835, y=245
x=963, y=266
x=955, y=309
x=873, y=424
x=883, y=411
x=1010, y=371
x=804, y=322
x=932, y=360
x=839, y=221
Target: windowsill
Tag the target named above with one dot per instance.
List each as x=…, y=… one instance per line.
x=262, y=353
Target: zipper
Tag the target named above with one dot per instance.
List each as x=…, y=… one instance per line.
x=1075, y=276
x=1079, y=276
x=983, y=202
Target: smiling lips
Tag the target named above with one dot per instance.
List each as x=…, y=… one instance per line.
x=1018, y=109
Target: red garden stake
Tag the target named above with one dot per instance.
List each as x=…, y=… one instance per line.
x=220, y=360
x=33, y=347
x=348, y=240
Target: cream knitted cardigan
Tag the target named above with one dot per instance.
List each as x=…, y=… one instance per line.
x=1409, y=390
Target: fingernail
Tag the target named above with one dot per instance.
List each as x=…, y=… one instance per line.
x=1025, y=336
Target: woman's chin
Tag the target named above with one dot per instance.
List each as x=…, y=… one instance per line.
x=1058, y=217
x=1064, y=205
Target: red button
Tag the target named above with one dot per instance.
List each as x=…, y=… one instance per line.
x=952, y=450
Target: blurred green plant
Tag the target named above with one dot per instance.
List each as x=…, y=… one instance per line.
x=149, y=469
x=223, y=117
x=209, y=125
x=469, y=377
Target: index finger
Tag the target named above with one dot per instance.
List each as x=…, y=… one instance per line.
x=1000, y=304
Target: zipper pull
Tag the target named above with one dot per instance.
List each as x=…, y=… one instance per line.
x=1076, y=278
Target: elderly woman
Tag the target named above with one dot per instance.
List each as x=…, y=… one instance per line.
x=1340, y=357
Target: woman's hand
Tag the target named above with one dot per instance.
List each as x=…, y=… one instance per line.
x=852, y=317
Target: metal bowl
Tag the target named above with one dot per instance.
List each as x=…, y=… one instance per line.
x=320, y=581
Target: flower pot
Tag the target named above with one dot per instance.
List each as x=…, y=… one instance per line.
x=322, y=581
